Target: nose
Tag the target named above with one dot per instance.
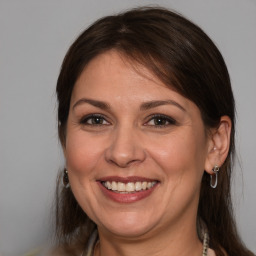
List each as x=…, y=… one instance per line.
x=125, y=148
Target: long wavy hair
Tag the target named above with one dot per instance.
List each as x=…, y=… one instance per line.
x=183, y=57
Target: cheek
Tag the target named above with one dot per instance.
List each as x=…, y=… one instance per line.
x=82, y=153
x=179, y=154
x=181, y=161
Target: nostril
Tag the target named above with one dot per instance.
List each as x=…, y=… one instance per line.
x=122, y=164
x=124, y=150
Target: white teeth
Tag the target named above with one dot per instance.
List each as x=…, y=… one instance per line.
x=114, y=185
x=144, y=185
x=120, y=187
x=137, y=186
x=149, y=185
x=108, y=185
x=128, y=187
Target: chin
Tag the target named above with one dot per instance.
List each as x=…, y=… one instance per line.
x=130, y=226
x=131, y=232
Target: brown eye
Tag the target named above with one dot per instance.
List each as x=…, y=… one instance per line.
x=161, y=121
x=94, y=120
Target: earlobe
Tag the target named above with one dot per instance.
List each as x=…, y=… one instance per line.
x=219, y=143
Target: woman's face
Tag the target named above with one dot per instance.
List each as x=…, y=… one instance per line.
x=135, y=149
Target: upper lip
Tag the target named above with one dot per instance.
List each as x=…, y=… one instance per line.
x=125, y=179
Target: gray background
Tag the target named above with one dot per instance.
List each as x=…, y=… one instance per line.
x=34, y=36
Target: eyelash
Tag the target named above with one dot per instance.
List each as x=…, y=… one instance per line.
x=84, y=120
x=169, y=120
x=162, y=118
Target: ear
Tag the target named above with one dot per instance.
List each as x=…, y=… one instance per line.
x=218, y=146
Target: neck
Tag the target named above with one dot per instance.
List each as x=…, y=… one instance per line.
x=182, y=241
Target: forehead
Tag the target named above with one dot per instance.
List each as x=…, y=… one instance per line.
x=113, y=72
x=117, y=63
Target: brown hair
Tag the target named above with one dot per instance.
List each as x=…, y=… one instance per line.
x=182, y=56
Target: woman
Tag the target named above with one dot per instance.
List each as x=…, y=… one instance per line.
x=146, y=122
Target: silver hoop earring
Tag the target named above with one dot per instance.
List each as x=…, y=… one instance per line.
x=65, y=179
x=215, y=169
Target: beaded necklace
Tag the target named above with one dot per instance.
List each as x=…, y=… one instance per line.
x=93, y=241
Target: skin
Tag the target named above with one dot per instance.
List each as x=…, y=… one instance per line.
x=130, y=142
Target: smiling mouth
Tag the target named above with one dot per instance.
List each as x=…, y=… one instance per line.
x=129, y=187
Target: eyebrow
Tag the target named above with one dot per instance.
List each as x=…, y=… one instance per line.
x=96, y=103
x=144, y=106
x=157, y=103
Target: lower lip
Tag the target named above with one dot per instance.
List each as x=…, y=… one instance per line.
x=126, y=197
